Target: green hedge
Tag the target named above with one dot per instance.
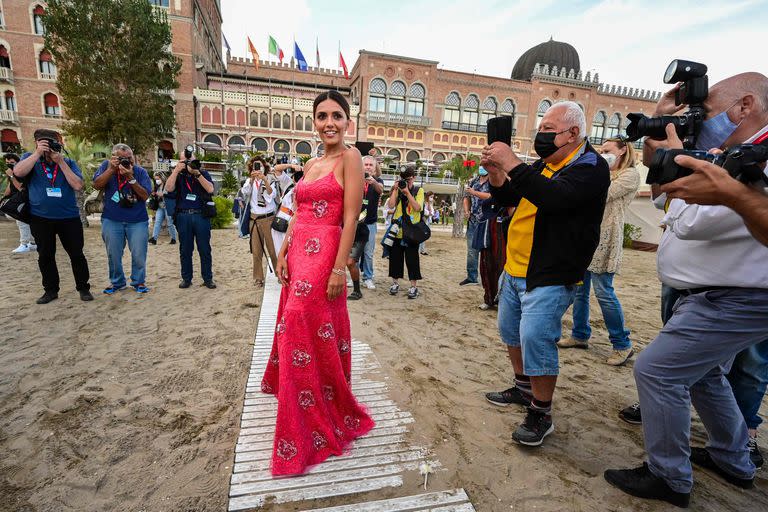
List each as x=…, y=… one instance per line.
x=224, y=217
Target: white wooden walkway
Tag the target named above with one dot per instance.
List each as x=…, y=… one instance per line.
x=377, y=461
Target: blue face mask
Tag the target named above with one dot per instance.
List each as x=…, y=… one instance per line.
x=716, y=130
x=482, y=172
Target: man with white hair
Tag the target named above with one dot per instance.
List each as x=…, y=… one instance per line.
x=552, y=236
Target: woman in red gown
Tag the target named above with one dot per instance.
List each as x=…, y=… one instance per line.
x=310, y=365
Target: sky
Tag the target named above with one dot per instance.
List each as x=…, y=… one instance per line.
x=629, y=43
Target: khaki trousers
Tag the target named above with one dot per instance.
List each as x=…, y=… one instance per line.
x=261, y=239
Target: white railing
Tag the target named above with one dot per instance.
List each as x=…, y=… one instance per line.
x=6, y=74
x=9, y=116
x=48, y=76
x=388, y=117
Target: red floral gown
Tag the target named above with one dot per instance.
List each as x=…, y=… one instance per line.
x=310, y=364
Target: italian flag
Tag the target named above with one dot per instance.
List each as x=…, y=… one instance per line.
x=274, y=49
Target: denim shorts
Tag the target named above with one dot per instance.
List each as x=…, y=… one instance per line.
x=533, y=321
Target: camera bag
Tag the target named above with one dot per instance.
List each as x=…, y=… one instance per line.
x=16, y=204
x=413, y=233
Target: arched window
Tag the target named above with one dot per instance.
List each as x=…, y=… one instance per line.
x=490, y=106
x=379, y=132
x=52, y=107
x=212, y=138
x=282, y=146
x=613, y=126
x=299, y=123
x=416, y=100
x=264, y=120
x=438, y=158
x=10, y=141
x=451, y=112
x=10, y=101
x=37, y=20
x=376, y=98
x=254, y=119
x=412, y=156
x=470, y=116
x=259, y=144
x=543, y=107
x=5, y=58
x=394, y=153
x=598, y=127
x=307, y=124
x=303, y=148
x=286, y=122
x=276, y=120
x=47, y=67
x=236, y=139
x=507, y=107
x=396, y=103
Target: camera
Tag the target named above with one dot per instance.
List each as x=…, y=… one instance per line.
x=367, y=175
x=53, y=145
x=127, y=200
x=391, y=236
x=693, y=92
x=740, y=161
x=256, y=166
x=401, y=184
x=188, y=152
x=125, y=162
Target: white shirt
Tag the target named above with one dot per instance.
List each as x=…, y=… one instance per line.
x=287, y=203
x=269, y=199
x=709, y=246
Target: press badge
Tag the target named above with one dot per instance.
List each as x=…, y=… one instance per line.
x=53, y=191
x=365, y=202
x=116, y=196
x=191, y=197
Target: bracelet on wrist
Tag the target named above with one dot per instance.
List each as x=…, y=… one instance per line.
x=339, y=271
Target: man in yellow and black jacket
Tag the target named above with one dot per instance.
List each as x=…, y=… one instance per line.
x=551, y=240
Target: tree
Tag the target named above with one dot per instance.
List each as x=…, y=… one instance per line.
x=461, y=173
x=114, y=69
x=88, y=157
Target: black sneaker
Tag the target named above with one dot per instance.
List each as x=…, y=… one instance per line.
x=754, y=453
x=394, y=289
x=631, y=414
x=468, y=282
x=153, y=241
x=508, y=397
x=48, y=297
x=413, y=292
x=701, y=457
x=211, y=285
x=642, y=483
x=536, y=426
x=85, y=296
x=173, y=241
x=185, y=284
x=355, y=295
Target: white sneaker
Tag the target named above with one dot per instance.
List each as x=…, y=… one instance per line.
x=32, y=247
x=22, y=248
x=368, y=283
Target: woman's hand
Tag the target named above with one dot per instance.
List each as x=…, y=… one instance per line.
x=281, y=270
x=336, y=284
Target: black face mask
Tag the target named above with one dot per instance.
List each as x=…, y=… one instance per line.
x=544, y=143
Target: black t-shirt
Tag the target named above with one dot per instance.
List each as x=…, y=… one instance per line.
x=371, y=201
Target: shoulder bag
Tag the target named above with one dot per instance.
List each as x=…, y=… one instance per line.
x=413, y=233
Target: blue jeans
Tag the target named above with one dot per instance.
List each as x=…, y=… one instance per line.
x=532, y=321
x=194, y=227
x=370, y=247
x=749, y=380
x=161, y=214
x=473, y=255
x=609, y=305
x=115, y=234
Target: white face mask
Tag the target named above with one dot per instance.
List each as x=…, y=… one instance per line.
x=158, y=181
x=610, y=158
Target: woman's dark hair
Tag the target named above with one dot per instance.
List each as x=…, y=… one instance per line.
x=408, y=173
x=333, y=96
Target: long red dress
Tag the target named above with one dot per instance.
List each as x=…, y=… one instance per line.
x=310, y=364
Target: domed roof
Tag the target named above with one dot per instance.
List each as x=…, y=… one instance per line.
x=551, y=53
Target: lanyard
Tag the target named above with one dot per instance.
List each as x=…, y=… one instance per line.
x=187, y=183
x=120, y=183
x=49, y=175
x=365, y=189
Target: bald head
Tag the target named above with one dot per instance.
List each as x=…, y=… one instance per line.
x=745, y=84
x=744, y=98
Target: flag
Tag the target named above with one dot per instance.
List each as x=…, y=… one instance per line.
x=274, y=49
x=301, y=62
x=343, y=65
x=254, y=53
x=317, y=52
x=226, y=43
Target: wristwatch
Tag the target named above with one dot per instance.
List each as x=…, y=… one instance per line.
x=132, y=182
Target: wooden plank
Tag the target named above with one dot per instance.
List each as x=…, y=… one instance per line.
x=266, y=442
x=403, y=504
x=337, y=489
x=260, y=418
x=261, y=432
x=386, y=444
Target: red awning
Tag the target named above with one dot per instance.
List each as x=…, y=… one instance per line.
x=9, y=94
x=45, y=56
x=51, y=100
x=9, y=136
x=3, y=51
x=165, y=145
x=39, y=10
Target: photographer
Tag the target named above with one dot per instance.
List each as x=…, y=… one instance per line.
x=26, y=241
x=260, y=197
x=372, y=190
x=709, y=256
x=405, y=199
x=195, y=187
x=161, y=213
x=551, y=240
x=477, y=191
x=126, y=187
x=53, y=181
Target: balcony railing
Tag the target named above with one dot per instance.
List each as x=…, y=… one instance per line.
x=387, y=117
x=48, y=76
x=6, y=74
x=465, y=127
x=9, y=116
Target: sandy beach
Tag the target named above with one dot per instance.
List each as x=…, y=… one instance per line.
x=132, y=403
